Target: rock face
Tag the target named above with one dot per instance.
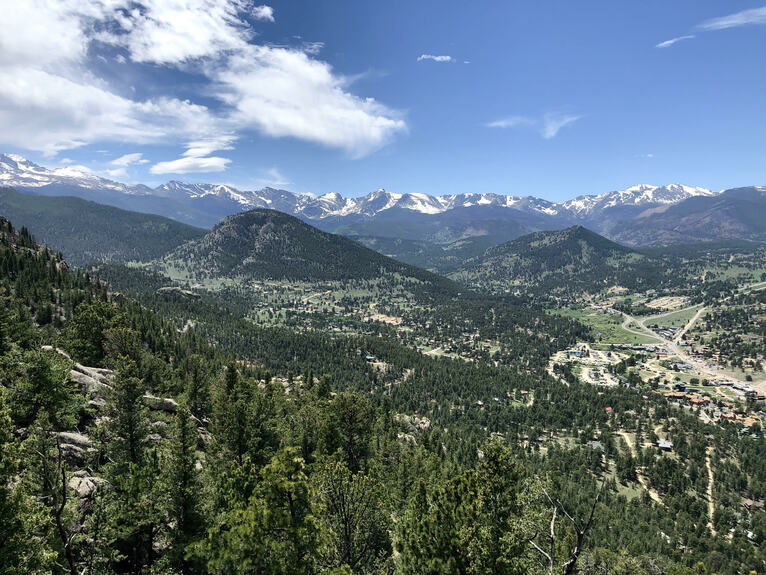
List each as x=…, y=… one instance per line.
x=76, y=439
x=83, y=484
x=95, y=381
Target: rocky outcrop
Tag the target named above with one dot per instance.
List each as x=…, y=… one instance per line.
x=95, y=381
x=77, y=439
x=161, y=403
x=83, y=484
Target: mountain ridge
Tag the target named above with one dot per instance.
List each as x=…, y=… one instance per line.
x=16, y=171
x=88, y=232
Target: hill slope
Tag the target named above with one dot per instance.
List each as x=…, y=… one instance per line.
x=570, y=260
x=266, y=244
x=738, y=214
x=88, y=232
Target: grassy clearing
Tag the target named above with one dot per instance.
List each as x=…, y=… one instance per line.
x=607, y=328
x=677, y=319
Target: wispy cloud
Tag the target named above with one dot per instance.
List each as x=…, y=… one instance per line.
x=128, y=159
x=547, y=126
x=743, y=18
x=552, y=123
x=272, y=178
x=668, y=43
x=435, y=58
x=512, y=122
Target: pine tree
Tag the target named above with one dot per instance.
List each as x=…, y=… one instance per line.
x=182, y=481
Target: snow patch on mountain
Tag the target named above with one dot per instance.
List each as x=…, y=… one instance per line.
x=19, y=172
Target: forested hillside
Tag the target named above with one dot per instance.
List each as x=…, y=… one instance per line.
x=571, y=261
x=86, y=232
x=272, y=451
x=266, y=244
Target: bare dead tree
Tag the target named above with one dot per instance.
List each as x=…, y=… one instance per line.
x=547, y=559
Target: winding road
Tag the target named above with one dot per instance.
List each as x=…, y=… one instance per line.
x=673, y=345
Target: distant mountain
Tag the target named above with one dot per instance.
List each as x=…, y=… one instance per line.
x=87, y=232
x=436, y=219
x=737, y=214
x=571, y=260
x=266, y=244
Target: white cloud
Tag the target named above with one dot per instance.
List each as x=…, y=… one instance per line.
x=117, y=173
x=170, y=32
x=743, y=18
x=672, y=41
x=272, y=178
x=197, y=157
x=129, y=159
x=200, y=148
x=284, y=92
x=547, y=126
x=263, y=13
x=553, y=122
x=51, y=101
x=48, y=112
x=512, y=122
x=191, y=164
x=434, y=58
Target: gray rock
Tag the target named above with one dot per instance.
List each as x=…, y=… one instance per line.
x=73, y=454
x=83, y=486
x=161, y=403
x=77, y=439
x=89, y=384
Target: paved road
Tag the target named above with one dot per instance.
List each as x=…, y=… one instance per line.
x=673, y=345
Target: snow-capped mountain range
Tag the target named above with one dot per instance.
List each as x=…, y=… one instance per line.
x=205, y=204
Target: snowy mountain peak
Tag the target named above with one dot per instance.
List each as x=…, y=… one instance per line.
x=638, y=195
x=17, y=171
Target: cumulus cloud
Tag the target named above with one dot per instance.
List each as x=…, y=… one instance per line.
x=263, y=12
x=434, y=58
x=51, y=99
x=668, y=43
x=284, y=92
x=547, y=126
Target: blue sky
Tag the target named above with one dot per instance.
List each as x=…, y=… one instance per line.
x=552, y=99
